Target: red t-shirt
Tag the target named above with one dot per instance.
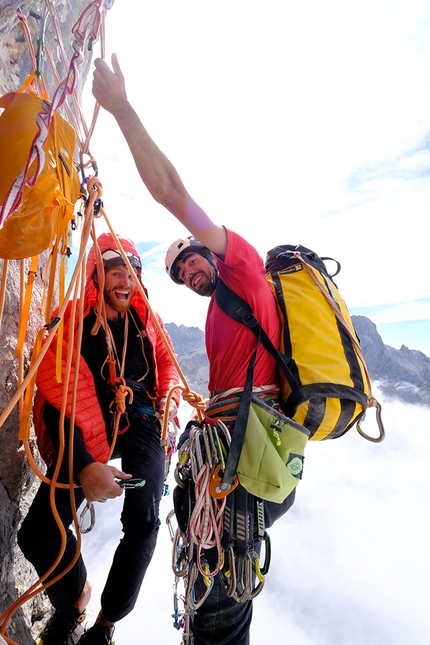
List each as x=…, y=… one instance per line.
x=230, y=344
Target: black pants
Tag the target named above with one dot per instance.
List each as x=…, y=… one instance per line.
x=221, y=620
x=40, y=540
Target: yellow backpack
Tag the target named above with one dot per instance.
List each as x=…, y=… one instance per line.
x=37, y=195
x=325, y=384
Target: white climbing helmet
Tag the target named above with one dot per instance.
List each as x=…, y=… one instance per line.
x=175, y=251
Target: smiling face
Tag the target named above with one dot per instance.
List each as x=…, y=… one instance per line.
x=118, y=290
x=197, y=273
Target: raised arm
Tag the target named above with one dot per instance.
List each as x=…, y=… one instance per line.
x=158, y=174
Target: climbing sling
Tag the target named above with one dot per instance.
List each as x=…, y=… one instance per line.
x=217, y=533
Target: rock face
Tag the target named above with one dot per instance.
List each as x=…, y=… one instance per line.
x=17, y=481
x=189, y=343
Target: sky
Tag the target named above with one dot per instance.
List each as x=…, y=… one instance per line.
x=290, y=123
x=295, y=122
x=350, y=559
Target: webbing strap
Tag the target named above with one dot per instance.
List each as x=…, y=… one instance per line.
x=238, y=529
x=238, y=436
x=238, y=309
x=26, y=307
x=337, y=312
x=244, y=518
x=24, y=428
x=3, y=287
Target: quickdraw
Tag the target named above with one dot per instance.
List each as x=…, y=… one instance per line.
x=210, y=518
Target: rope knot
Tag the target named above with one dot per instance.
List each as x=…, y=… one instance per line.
x=194, y=399
x=121, y=393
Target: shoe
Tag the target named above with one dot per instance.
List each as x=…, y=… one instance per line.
x=97, y=635
x=60, y=626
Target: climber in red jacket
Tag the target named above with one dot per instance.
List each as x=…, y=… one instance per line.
x=141, y=361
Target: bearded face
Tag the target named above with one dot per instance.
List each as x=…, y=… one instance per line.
x=197, y=273
x=119, y=288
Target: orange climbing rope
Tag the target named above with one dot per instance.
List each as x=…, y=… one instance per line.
x=194, y=399
x=78, y=279
x=87, y=27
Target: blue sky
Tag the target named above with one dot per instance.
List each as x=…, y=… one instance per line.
x=415, y=334
x=290, y=123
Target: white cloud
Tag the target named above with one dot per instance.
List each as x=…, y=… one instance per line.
x=349, y=560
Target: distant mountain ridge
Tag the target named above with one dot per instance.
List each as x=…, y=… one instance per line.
x=189, y=344
x=402, y=374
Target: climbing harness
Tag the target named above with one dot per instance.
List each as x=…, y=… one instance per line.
x=129, y=484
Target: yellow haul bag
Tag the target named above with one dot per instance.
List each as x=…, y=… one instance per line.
x=46, y=207
x=324, y=381
x=331, y=387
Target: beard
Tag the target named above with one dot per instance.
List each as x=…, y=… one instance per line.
x=206, y=283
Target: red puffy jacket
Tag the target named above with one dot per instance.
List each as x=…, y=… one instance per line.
x=88, y=414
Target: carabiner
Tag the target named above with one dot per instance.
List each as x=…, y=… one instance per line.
x=177, y=615
x=228, y=578
x=373, y=403
x=267, y=554
x=89, y=506
x=208, y=455
x=191, y=601
x=260, y=576
x=243, y=590
x=179, y=555
x=169, y=524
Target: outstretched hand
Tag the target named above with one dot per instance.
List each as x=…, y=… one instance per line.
x=108, y=85
x=98, y=481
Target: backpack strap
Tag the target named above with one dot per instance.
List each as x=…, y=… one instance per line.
x=238, y=436
x=238, y=309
